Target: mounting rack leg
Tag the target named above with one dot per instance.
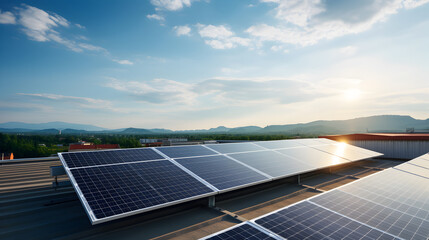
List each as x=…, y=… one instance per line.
x=212, y=201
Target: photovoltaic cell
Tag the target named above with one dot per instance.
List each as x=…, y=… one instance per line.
x=119, y=189
x=325, y=140
x=221, y=172
x=391, y=188
x=118, y=183
x=365, y=151
x=186, y=151
x=342, y=150
x=375, y=215
x=308, y=221
x=95, y=158
x=272, y=163
x=414, y=169
x=311, y=141
x=420, y=162
x=234, y=147
x=242, y=231
x=278, y=144
x=313, y=157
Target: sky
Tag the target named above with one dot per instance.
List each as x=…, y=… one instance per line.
x=189, y=64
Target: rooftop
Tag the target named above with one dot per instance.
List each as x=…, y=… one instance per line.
x=32, y=208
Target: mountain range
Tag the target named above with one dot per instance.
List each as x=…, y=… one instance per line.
x=382, y=123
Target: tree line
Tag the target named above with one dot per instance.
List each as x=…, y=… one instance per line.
x=28, y=146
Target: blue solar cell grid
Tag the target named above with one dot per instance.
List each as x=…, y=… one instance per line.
x=221, y=172
x=375, y=215
x=95, y=158
x=278, y=144
x=272, y=163
x=116, y=189
x=244, y=231
x=186, y=151
x=309, y=221
x=235, y=147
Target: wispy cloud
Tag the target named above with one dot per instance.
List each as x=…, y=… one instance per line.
x=123, y=62
x=7, y=18
x=308, y=22
x=221, y=37
x=42, y=26
x=81, y=102
x=155, y=17
x=157, y=91
x=171, y=5
x=182, y=30
x=230, y=91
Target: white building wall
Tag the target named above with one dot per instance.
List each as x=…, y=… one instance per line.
x=395, y=149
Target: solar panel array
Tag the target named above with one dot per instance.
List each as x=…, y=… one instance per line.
x=392, y=204
x=118, y=183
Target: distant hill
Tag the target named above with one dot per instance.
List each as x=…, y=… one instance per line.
x=48, y=125
x=383, y=123
x=136, y=131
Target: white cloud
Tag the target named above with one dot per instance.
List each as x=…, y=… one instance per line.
x=7, y=18
x=171, y=5
x=156, y=17
x=157, y=91
x=310, y=21
x=91, y=47
x=42, y=26
x=414, y=3
x=348, y=50
x=230, y=91
x=220, y=37
x=79, y=26
x=83, y=102
x=123, y=62
x=182, y=30
x=298, y=12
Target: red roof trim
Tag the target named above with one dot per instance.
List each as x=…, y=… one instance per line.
x=379, y=137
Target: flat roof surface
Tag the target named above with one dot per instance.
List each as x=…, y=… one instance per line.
x=32, y=209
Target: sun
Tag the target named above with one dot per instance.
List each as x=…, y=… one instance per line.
x=352, y=94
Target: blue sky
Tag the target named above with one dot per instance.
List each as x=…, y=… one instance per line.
x=184, y=64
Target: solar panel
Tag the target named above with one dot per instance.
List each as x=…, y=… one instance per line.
x=186, y=151
x=309, y=221
x=235, y=147
x=95, y=158
x=325, y=140
x=241, y=231
x=391, y=188
x=420, y=162
x=117, y=183
x=221, y=172
x=272, y=163
x=342, y=150
x=279, y=144
x=414, y=169
x=311, y=141
x=115, y=191
x=364, y=151
x=375, y=215
x=313, y=157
